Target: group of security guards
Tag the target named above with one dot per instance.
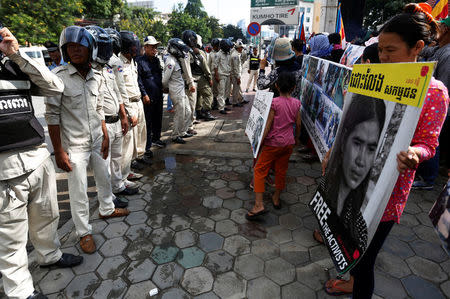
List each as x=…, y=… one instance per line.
x=95, y=116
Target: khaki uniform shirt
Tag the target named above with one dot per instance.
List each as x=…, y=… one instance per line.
x=205, y=66
x=223, y=64
x=236, y=67
x=79, y=110
x=130, y=75
x=111, y=94
x=172, y=76
x=212, y=56
x=19, y=162
x=117, y=65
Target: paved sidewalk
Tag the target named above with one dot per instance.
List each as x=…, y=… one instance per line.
x=187, y=235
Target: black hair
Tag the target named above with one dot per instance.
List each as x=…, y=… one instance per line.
x=371, y=53
x=412, y=25
x=297, y=45
x=286, y=82
x=334, y=38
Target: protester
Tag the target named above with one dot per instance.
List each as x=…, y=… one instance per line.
x=370, y=54
x=401, y=40
x=253, y=67
x=277, y=143
x=337, y=51
x=28, y=183
x=55, y=54
x=150, y=84
x=77, y=128
x=320, y=46
x=297, y=46
x=284, y=62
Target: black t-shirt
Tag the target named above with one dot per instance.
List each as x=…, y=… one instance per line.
x=254, y=62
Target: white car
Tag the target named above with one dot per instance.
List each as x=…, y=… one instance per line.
x=34, y=52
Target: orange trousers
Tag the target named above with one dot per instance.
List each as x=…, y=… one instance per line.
x=272, y=157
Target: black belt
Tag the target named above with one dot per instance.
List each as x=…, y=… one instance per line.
x=110, y=119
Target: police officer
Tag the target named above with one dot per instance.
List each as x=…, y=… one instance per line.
x=130, y=48
x=55, y=54
x=253, y=68
x=115, y=115
x=28, y=196
x=222, y=69
x=77, y=128
x=176, y=67
x=212, y=57
x=236, y=70
x=117, y=65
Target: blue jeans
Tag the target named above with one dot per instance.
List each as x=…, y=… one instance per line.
x=429, y=169
x=169, y=103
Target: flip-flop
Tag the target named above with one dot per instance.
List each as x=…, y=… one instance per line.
x=317, y=236
x=339, y=291
x=255, y=215
x=278, y=206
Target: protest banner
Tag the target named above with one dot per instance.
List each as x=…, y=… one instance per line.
x=440, y=217
x=380, y=114
x=352, y=55
x=258, y=119
x=324, y=85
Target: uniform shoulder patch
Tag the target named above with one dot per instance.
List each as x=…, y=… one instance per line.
x=169, y=66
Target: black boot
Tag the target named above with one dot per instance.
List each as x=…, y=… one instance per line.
x=208, y=116
x=199, y=114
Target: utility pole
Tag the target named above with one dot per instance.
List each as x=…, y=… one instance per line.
x=328, y=14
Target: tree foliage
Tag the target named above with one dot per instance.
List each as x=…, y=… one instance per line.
x=377, y=12
x=39, y=20
x=234, y=32
x=195, y=9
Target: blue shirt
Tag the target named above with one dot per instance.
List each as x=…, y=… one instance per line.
x=150, y=77
x=53, y=65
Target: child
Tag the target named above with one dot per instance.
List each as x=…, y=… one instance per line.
x=277, y=143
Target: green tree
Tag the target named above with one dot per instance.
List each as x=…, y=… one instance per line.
x=195, y=9
x=213, y=24
x=38, y=20
x=234, y=32
x=377, y=12
x=180, y=21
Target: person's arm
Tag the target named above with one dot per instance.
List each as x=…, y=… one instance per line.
x=145, y=97
x=205, y=67
x=187, y=73
x=61, y=157
x=101, y=113
x=268, y=123
x=167, y=73
x=48, y=84
x=298, y=123
x=266, y=81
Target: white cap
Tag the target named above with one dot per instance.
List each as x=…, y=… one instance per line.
x=150, y=40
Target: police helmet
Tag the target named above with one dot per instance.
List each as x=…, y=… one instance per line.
x=130, y=43
x=226, y=45
x=75, y=34
x=215, y=42
x=239, y=44
x=189, y=37
x=103, y=48
x=115, y=38
x=199, y=41
x=177, y=48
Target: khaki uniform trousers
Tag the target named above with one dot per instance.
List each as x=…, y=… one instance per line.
x=192, y=97
x=77, y=181
x=140, y=130
x=32, y=209
x=252, y=77
x=204, y=95
x=114, y=160
x=224, y=90
x=128, y=153
x=215, y=88
x=182, y=115
x=237, y=92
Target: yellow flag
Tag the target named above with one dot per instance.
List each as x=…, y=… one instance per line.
x=405, y=83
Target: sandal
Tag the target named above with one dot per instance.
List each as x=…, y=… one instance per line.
x=253, y=216
x=87, y=244
x=336, y=290
x=318, y=236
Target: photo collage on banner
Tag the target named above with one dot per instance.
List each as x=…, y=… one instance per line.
x=258, y=119
x=324, y=85
x=352, y=55
x=440, y=217
x=380, y=113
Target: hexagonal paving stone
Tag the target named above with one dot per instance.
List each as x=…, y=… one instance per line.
x=249, y=266
x=224, y=168
x=139, y=249
x=156, y=220
x=209, y=295
x=180, y=223
x=212, y=202
x=112, y=267
x=226, y=228
x=262, y=288
x=304, y=237
x=138, y=231
x=56, y=280
x=425, y=233
x=236, y=245
x=217, y=184
x=167, y=275
x=388, y=287
x=163, y=235
x=197, y=280
x=300, y=210
x=420, y=288
x=115, y=230
x=244, y=194
x=241, y=169
x=98, y=226
x=219, y=214
x=296, y=290
x=185, y=238
x=136, y=218
x=190, y=257
x=238, y=216
x=219, y=261
x=113, y=247
x=294, y=253
x=445, y=287
x=140, y=270
x=429, y=251
x=164, y=254
x=426, y=269
x=82, y=286
x=265, y=249
x=210, y=241
x=236, y=185
x=229, y=285
x=279, y=234
x=312, y=275
x=232, y=204
x=202, y=225
x=225, y=193
x=174, y=293
x=140, y=290
x=397, y=247
x=111, y=289
x=136, y=205
x=280, y=271
x=318, y=253
x=392, y=265
x=90, y=263
x=409, y=220
x=290, y=221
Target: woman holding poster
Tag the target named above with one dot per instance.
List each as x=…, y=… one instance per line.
x=401, y=40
